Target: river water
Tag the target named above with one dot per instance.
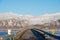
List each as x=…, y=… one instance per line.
x=4, y=33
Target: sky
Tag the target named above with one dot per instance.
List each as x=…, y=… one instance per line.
x=30, y=7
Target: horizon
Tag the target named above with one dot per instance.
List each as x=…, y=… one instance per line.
x=12, y=13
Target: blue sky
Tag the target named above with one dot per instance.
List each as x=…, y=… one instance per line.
x=31, y=7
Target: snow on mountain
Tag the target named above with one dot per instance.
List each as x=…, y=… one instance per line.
x=54, y=16
x=34, y=20
x=7, y=16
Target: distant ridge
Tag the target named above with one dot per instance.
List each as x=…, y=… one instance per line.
x=33, y=19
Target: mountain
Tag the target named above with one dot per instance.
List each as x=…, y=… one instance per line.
x=33, y=19
x=9, y=15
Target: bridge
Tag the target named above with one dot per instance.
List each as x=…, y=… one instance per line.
x=31, y=34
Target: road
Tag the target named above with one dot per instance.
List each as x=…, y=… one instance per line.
x=33, y=34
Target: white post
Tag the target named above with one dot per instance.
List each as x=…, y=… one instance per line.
x=9, y=31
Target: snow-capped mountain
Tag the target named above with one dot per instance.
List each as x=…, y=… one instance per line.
x=33, y=19
x=13, y=15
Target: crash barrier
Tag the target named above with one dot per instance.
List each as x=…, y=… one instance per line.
x=49, y=35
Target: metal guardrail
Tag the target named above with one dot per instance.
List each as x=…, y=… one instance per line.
x=48, y=35
x=20, y=34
